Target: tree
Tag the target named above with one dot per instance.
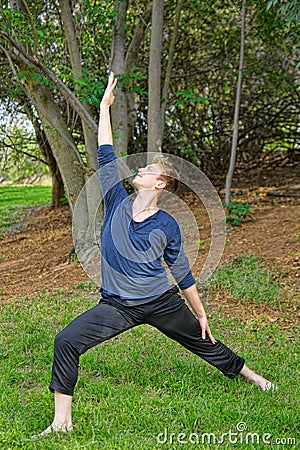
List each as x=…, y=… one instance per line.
x=169, y=68
x=46, y=89
x=118, y=65
x=237, y=108
x=203, y=87
x=154, y=77
x=61, y=56
x=56, y=81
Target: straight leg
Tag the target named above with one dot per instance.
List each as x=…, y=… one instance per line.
x=173, y=318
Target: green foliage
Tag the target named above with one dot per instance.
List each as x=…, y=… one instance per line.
x=201, y=96
x=207, y=63
x=88, y=89
x=237, y=212
x=131, y=79
x=188, y=96
x=74, y=259
x=20, y=156
x=135, y=386
x=15, y=200
x=11, y=18
x=288, y=8
x=18, y=168
x=246, y=278
x=102, y=12
x=32, y=74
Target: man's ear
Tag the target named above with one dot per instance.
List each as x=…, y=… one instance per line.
x=161, y=184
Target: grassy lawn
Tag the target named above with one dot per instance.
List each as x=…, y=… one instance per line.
x=15, y=200
x=246, y=278
x=141, y=390
x=137, y=389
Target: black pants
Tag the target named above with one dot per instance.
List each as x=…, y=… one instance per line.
x=168, y=313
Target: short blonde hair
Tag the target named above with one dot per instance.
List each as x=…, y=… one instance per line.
x=170, y=175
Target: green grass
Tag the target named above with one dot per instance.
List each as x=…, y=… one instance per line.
x=15, y=200
x=139, y=384
x=246, y=278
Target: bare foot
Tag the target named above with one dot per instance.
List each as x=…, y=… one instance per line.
x=269, y=386
x=54, y=428
x=258, y=380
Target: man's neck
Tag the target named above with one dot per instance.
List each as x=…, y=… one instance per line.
x=145, y=204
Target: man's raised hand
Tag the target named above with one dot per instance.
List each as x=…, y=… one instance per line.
x=108, y=97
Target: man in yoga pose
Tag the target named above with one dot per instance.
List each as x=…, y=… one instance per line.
x=136, y=236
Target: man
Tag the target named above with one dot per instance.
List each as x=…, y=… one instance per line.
x=136, y=236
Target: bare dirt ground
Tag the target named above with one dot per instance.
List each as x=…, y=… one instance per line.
x=35, y=255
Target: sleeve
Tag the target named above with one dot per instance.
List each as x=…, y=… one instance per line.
x=112, y=188
x=176, y=259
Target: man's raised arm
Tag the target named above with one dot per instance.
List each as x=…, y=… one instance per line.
x=104, y=129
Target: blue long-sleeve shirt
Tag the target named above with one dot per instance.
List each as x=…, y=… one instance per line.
x=132, y=252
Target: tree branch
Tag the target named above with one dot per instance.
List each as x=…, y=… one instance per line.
x=137, y=38
x=62, y=88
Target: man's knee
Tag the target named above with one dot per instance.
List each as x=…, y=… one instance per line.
x=61, y=341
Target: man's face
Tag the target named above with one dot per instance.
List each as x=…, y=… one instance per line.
x=149, y=177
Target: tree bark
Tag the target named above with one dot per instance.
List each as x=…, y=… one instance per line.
x=154, y=79
x=58, y=189
x=76, y=63
x=137, y=38
x=56, y=131
x=119, y=108
x=237, y=109
x=130, y=61
x=170, y=65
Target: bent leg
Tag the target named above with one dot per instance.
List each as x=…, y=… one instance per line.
x=94, y=326
x=99, y=324
x=175, y=320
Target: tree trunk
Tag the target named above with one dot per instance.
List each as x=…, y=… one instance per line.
x=84, y=194
x=237, y=109
x=170, y=65
x=58, y=190
x=59, y=138
x=76, y=63
x=130, y=61
x=119, y=108
x=154, y=79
